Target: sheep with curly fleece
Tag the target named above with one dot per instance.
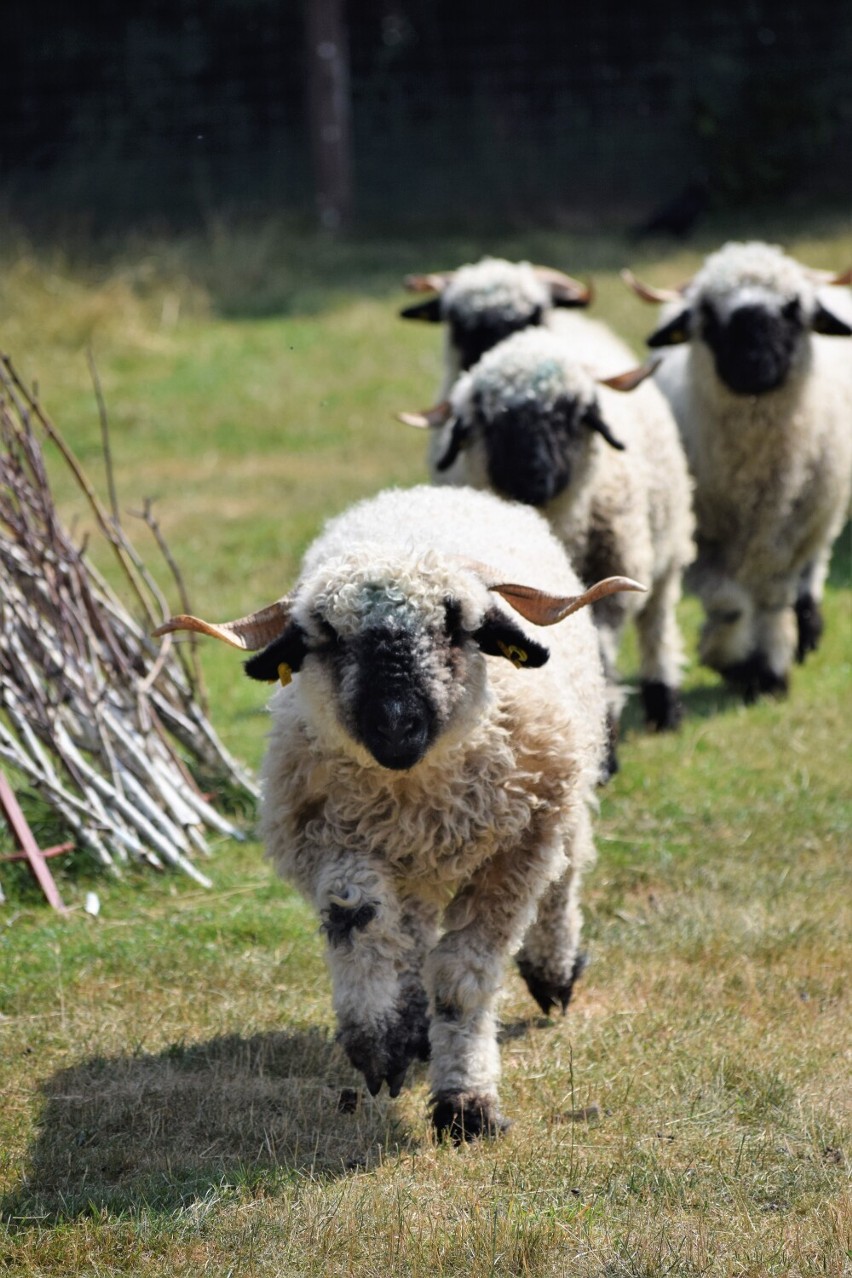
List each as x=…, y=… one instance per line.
x=761, y=392
x=484, y=302
x=607, y=469
x=430, y=773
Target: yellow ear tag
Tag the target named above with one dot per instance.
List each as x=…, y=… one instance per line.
x=516, y=655
x=285, y=674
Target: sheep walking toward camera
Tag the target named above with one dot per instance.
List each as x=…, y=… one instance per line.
x=607, y=469
x=762, y=394
x=430, y=773
x=482, y=303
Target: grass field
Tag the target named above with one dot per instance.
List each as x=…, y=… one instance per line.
x=168, y=1073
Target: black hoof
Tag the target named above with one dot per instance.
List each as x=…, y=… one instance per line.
x=384, y=1052
x=754, y=678
x=546, y=992
x=810, y=626
x=662, y=705
x=467, y=1117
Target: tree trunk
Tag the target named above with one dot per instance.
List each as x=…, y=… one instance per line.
x=329, y=110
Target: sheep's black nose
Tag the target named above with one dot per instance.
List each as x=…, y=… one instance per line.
x=396, y=731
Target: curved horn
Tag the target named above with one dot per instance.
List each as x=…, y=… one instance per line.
x=633, y=377
x=431, y=419
x=564, y=289
x=249, y=633
x=647, y=293
x=433, y=282
x=829, y=277
x=543, y=609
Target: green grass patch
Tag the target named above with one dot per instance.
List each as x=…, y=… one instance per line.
x=169, y=1074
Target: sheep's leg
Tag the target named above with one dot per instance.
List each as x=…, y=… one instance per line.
x=550, y=959
x=609, y=633
x=808, y=609
x=376, y=945
x=661, y=654
x=485, y=922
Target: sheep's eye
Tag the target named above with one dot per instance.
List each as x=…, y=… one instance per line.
x=453, y=621
x=709, y=319
x=792, y=310
x=329, y=638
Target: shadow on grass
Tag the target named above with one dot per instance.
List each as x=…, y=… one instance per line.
x=157, y=1132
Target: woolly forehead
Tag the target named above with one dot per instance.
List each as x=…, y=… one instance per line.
x=510, y=290
x=530, y=367
x=753, y=273
x=403, y=591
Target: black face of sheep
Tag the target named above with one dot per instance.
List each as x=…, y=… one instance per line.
x=472, y=336
x=529, y=452
x=390, y=682
x=532, y=454
x=754, y=346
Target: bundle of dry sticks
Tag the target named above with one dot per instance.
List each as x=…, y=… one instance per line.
x=104, y=723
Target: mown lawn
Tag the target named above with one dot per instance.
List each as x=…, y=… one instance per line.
x=169, y=1078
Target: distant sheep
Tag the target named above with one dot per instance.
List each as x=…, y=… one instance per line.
x=762, y=399
x=529, y=422
x=482, y=303
x=429, y=775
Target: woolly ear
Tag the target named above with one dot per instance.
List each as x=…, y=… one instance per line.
x=457, y=437
x=430, y=310
x=280, y=659
x=592, y=418
x=674, y=332
x=826, y=322
x=498, y=636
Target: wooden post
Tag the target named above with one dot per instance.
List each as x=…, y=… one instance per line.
x=329, y=110
x=30, y=848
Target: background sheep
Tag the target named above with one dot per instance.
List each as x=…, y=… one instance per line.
x=485, y=302
x=429, y=774
x=531, y=423
x=763, y=405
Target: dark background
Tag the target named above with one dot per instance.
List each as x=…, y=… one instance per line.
x=463, y=113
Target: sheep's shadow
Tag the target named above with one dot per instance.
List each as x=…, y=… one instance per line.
x=158, y=1132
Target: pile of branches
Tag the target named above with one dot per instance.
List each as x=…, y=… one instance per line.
x=104, y=723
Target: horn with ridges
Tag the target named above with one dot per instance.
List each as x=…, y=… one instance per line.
x=248, y=633
x=633, y=377
x=543, y=609
x=432, y=282
x=431, y=419
x=565, y=285
x=649, y=294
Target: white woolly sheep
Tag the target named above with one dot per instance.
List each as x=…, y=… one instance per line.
x=763, y=406
x=429, y=775
x=529, y=422
x=486, y=301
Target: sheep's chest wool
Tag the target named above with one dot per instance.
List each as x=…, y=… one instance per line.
x=434, y=824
